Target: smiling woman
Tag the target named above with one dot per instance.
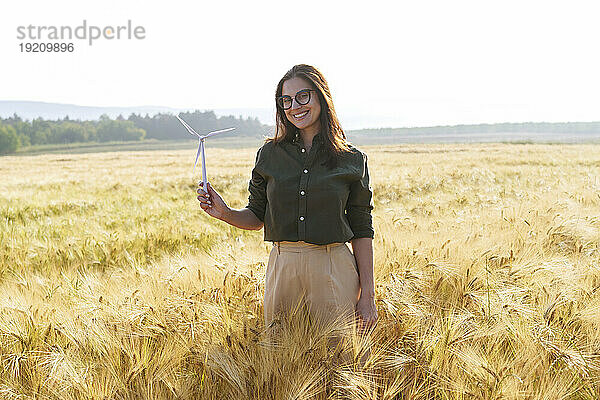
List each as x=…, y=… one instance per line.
x=307, y=115
x=302, y=81
x=310, y=191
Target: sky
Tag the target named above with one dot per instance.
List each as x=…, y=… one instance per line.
x=388, y=63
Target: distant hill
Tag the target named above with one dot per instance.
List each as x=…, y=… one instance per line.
x=563, y=132
x=53, y=111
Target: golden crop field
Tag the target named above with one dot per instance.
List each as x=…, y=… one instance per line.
x=115, y=285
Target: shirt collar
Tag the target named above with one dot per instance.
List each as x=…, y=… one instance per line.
x=319, y=137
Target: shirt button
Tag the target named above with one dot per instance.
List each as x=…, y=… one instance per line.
x=301, y=218
x=302, y=192
x=303, y=150
x=306, y=171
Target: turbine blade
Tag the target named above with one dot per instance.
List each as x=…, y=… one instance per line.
x=217, y=132
x=200, y=143
x=189, y=128
x=186, y=125
x=204, y=177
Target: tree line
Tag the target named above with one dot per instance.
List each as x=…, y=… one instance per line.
x=523, y=127
x=16, y=132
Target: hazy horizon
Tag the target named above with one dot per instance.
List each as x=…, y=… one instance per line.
x=264, y=115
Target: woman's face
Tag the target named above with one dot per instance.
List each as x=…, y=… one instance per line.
x=304, y=117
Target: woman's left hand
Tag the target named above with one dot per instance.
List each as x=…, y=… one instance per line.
x=367, y=313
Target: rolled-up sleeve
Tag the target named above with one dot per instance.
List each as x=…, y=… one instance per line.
x=360, y=204
x=257, y=200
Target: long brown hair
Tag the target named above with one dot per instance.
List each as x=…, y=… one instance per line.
x=335, y=139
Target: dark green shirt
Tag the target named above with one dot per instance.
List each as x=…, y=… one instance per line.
x=299, y=199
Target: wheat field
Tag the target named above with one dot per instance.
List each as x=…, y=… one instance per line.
x=115, y=285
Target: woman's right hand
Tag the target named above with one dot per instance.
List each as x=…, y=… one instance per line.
x=212, y=203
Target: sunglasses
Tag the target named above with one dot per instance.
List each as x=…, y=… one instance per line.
x=302, y=98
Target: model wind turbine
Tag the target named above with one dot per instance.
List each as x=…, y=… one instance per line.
x=201, y=148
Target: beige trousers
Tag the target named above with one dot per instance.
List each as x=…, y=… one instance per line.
x=322, y=277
